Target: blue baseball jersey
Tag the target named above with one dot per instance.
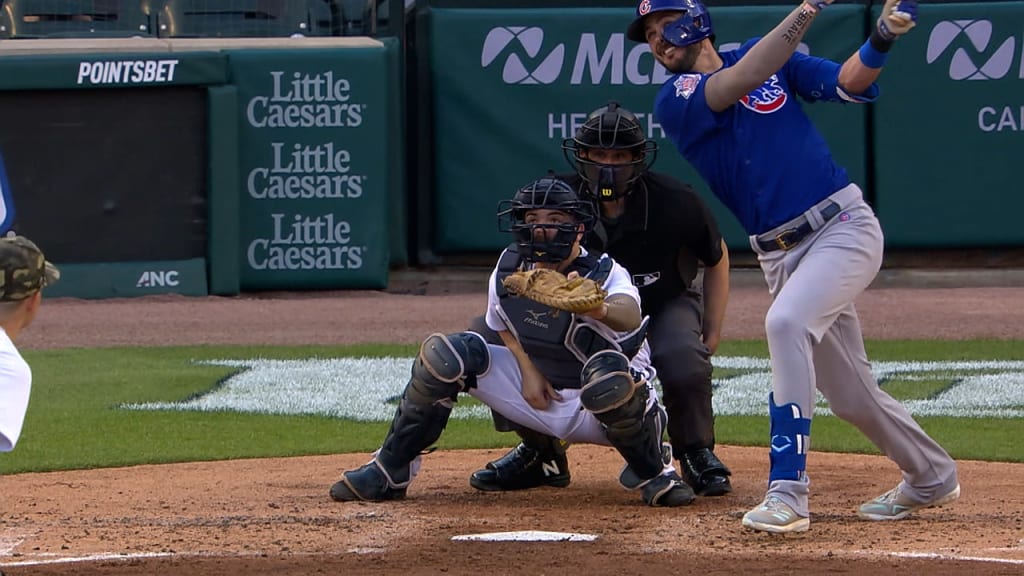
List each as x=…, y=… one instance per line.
x=6, y=200
x=762, y=157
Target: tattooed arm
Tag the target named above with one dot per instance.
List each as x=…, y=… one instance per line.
x=726, y=87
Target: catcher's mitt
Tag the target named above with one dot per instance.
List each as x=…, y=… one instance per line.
x=552, y=288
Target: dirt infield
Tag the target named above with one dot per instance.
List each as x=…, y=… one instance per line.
x=274, y=516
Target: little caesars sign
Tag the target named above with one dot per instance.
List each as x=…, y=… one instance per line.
x=302, y=170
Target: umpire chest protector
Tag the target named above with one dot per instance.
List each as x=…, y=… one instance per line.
x=557, y=342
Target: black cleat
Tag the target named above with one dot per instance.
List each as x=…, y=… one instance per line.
x=368, y=483
x=668, y=491
x=523, y=468
x=705, y=473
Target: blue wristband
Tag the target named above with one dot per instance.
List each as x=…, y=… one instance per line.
x=871, y=57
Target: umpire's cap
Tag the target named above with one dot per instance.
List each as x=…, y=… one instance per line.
x=23, y=269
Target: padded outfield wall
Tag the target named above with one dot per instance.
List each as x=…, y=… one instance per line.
x=206, y=166
x=504, y=82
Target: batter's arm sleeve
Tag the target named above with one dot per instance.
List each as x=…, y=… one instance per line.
x=716, y=297
x=766, y=57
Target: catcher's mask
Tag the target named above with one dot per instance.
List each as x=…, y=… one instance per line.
x=693, y=26
x=532, y=238
x=610, y=127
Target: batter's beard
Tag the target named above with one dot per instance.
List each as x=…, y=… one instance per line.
x=685, y=63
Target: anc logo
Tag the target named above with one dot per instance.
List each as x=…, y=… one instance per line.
x=962, y=66
x=530, y=39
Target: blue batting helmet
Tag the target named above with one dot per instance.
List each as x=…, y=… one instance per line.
x=692, y=27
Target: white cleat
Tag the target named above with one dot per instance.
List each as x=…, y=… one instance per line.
x=775, y=516
x=894, y=505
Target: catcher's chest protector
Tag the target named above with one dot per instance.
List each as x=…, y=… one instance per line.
x=540, y=329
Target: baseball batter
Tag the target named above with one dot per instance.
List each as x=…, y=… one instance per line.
x=735, y=117
x=576, y=377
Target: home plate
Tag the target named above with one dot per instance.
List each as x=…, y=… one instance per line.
x=527, y=536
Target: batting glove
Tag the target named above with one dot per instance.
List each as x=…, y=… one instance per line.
x=818, y=4
x=898, y=17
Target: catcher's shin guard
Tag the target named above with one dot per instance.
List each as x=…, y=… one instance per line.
x=394, y=465
x=634, y=427
x=539, y=460
x=445, y=364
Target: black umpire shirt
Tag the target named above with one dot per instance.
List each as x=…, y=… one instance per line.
x=665, y=231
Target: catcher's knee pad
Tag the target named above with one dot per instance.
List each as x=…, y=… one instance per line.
x=446, y=365
x=790, y=433
x=607, y=383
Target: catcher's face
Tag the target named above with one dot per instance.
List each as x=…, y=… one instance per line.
x=554, y=235
x=546, y=224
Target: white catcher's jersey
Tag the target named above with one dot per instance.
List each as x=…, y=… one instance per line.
x=617, y=282
x=15, y=386
x=501, y=386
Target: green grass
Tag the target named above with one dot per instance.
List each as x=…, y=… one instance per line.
x=74, y=421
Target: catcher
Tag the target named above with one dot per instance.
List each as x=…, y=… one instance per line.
x=580, y=372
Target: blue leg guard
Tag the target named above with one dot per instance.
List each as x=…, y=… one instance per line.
x=790, y=436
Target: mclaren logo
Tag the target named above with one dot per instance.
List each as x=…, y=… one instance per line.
x=534, y=318
x=530, y=39
x=981, y=62
x=582, y=58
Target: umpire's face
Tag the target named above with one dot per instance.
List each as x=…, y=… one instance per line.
x=608, y=156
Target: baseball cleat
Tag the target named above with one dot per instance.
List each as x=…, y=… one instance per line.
x=705, y=473
x=367, y=483
x=895, y=505
x=523, y=468
x=668, y=491
x=775, y=516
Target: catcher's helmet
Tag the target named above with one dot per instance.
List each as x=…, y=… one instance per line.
x=610, y=127
x=549, y=193
x=692, y=27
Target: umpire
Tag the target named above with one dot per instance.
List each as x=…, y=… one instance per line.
x=661, y=231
